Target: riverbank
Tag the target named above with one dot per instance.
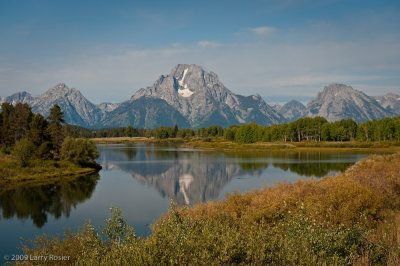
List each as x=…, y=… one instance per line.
x=352, y=218
x=38, y=171
x=219, y=144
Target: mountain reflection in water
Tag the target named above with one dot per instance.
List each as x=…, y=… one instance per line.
x=189, y=176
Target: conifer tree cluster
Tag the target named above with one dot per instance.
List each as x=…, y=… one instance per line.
x=28, y=135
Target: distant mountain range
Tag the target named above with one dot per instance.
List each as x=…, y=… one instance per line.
x=77, y=109
x=192, y=97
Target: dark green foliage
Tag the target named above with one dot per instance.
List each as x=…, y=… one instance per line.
x=318, y=129
x=163, y=132
x=246, y=134
x=31, y=135
x=230, y=132
x=81, y=151
x=132, y=132
x=212, y=131
x=55, y=129
x=304, y=129
x=7, y=133
x=44, y=150
x=174, y=131
x=78, y=131
x=185, y=133
x=37, y=132
x=23, y=151
x=20, y=120
x=5, y=150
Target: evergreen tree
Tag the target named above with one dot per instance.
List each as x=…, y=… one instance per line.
x=54, y=129
x=21, y=119
x=37, y=133
x=7, y=133
x=175, y=131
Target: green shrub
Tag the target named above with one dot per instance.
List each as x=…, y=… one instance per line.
x=23, y=151
x=5, y=150
x=81, y=151
x=44, y=151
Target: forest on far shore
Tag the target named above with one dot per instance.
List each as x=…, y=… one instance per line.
x=303, y=129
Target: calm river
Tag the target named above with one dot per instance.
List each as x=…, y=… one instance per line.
x=142, y=179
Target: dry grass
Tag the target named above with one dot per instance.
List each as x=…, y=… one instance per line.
x=367, y=188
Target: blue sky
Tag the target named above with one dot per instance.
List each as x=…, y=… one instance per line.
x=282, y=50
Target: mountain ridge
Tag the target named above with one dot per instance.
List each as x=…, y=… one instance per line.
x=339, y=101
x=191, y=97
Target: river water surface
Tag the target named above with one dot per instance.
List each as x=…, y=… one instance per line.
x=142, y=179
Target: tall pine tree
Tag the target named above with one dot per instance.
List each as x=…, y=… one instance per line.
x=37, y=133
x=20, y=120
x=7, y=133
x=55, y=129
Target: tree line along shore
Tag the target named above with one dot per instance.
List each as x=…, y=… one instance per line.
x=33, y=147
x=305, y=133
x=304, y=129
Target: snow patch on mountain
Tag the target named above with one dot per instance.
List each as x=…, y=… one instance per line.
x=184, y=92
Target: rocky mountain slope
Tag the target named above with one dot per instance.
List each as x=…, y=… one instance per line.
x=292, y=110
x=391, y=102
x=23, y=97
x=188, y=96
x=203, y=100
x=77, y=109
x=145, y=112
x=191, y=97
x=338, y=101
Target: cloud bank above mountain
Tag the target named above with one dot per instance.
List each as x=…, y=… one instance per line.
x=291, y=54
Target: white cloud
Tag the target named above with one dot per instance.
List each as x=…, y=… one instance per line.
x=262, y=31
x=294, y=68
x=208, y=44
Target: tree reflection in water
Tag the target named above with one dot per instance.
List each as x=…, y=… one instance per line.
x=37, y=201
